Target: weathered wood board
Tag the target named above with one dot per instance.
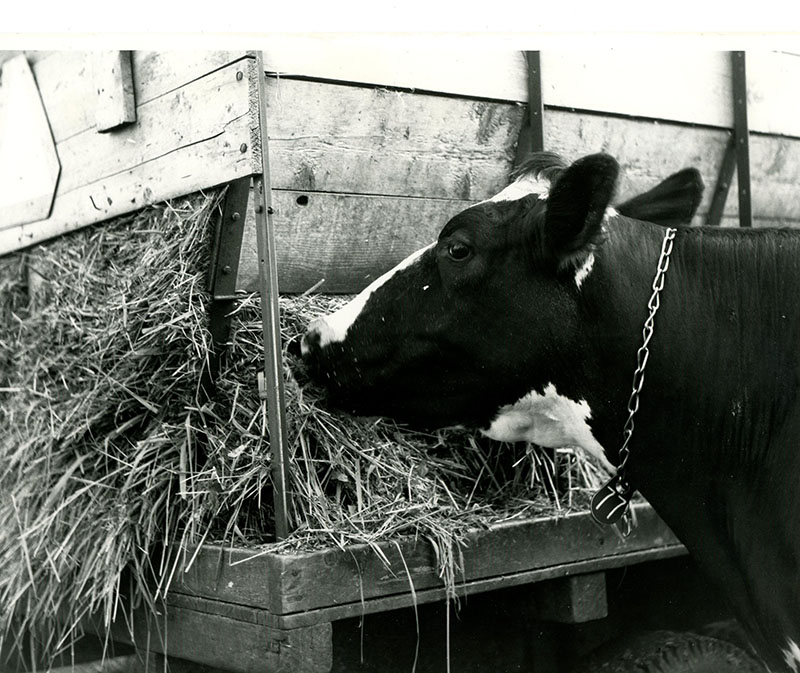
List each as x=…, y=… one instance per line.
x=29, y=166
x=194, y=127
x=685, y=85
x=113, y=81
x=241, y=643
x=366, y=176
x=280, y=583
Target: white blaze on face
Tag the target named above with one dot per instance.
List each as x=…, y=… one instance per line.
x=522, y=186
x=792, y=655
x=548, y=419
x=333, y=327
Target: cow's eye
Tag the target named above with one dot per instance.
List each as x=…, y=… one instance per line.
x=459, y=251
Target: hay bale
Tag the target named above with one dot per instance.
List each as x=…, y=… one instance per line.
x=112, y=459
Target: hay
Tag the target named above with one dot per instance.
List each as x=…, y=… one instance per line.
x=112, y=459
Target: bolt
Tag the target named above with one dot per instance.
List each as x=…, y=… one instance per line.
x=259, y=208
x=243, y=148
x=270, y=210
x=239, y=76
x=226, y=270
x=236, y=217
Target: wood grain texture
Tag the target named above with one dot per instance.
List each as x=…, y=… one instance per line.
x=29, y=162
x=66, y=84
x=204, y=636
x=188, y=139
x=357, y=173
x=347, y=240
x=691, y=86
x=289, y=584
x=113, y=82
x=335, y=138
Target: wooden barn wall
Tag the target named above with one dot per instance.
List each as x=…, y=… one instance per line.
x=193, y=117
x=372, y=152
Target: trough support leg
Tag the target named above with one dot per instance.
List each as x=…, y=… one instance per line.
x=573, y=599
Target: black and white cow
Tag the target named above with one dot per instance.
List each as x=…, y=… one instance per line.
x=524, y=319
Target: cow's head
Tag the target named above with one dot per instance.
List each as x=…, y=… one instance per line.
x=478, y=319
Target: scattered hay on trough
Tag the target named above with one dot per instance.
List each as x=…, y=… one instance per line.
x=111, y=458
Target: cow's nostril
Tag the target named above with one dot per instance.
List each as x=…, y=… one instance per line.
x=294, y=348
x=310, y=341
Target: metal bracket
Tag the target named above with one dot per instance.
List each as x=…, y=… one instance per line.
x=737, y=153
x=741, y=135
x=531, y=133
x=223, y=271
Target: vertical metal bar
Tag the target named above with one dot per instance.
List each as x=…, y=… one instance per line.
x=724, y=179
x=273, y=391
x=742, y=137
x=531, y=135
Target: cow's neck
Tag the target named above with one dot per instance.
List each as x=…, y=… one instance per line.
x=717, y=406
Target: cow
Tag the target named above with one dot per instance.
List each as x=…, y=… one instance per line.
x=524, y=319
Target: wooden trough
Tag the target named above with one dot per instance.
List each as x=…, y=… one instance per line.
x=370, y=153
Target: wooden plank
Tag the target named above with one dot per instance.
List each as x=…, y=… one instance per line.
x=285, y=584
x=692, y=86
x=177, y=147
x=185, y=595
x=574, y=599
x=341, y=238
x=372, y=141
x=29, y=165
x=339, y=578
x=113, y=81
x=229, y=644
x=186, y=170
x=193, y=113
x=66, y=86
x=347, y=237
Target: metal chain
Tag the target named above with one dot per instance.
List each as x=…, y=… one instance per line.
x=643, y=354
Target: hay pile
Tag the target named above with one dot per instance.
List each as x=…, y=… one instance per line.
x=111, y=457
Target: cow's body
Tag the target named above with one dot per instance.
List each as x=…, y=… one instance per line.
x=524, y=320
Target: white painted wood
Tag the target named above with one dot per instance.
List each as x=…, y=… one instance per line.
x=29, y=166
x=113, y=82
x=187, y=139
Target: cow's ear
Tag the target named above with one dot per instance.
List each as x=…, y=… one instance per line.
x=576, y=206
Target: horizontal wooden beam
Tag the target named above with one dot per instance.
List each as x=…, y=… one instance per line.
x=66, y=85
x=534, y=549
x=344, y=240
x=365, y=177
x=690, y=86
x=224, y=643
x=192, y=138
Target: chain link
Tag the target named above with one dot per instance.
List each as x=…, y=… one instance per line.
x=643, y=354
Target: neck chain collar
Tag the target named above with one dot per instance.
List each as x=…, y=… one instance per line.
x=612, y=502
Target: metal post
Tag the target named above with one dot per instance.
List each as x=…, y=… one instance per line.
x=531, y=134
x=742, y=137
x=273, y=390
x=724, y=178
x=737, y=152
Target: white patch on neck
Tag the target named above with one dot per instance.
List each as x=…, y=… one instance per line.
x=585, y=269
x=522, y=186
x=792, y=655
x=610, y=212
x=334, y=327
x=548, y=419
